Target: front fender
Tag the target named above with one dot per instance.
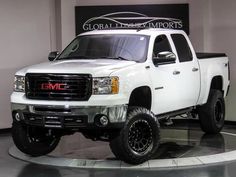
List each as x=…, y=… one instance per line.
x=132, y=77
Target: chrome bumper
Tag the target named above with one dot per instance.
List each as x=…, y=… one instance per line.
x=68, y=116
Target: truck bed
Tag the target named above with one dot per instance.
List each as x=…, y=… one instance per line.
x=208, y=66
x=201, y=55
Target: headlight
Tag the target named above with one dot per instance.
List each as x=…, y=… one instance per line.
x=105, y=85
x=19, y=84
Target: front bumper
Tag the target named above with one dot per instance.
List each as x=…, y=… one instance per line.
x=69, y=117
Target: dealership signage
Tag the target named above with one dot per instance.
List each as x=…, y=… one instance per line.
x=171, y=16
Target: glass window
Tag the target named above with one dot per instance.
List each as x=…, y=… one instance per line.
x=182, y=48
x=161, y=45
x=109, y=46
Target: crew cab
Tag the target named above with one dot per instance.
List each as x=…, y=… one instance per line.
x=117, y=86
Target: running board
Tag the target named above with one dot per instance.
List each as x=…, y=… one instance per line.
x=174, y=113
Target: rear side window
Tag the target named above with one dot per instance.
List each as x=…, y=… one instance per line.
x=182, y=48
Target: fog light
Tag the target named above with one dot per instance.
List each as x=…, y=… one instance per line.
x=104, y=120
x=17, y=117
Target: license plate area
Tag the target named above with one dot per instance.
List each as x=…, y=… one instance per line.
x=51, y=121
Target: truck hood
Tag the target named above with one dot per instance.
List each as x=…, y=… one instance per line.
x=96, y=67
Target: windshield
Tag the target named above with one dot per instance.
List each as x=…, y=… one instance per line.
x=110, y=46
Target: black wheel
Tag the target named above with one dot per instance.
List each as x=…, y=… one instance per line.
x=212, y=114
x=139, y=139
x=34, y=141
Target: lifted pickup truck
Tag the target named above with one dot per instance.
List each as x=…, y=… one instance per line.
x=116, y=86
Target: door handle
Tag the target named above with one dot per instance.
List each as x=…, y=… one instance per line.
x=176, y=72
x=195, y=69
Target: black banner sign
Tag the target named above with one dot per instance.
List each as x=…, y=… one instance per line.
x=171, y=16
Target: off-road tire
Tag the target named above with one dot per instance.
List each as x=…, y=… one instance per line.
x=139, y=139
x=212, y=114
x=33, y=141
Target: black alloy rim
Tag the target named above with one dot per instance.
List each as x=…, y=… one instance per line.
x=140, y=137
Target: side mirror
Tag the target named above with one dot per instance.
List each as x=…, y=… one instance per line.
x=165, y=57
x=53, y=55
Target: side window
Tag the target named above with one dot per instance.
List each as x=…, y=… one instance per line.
x=161, y=45
x=182, y=48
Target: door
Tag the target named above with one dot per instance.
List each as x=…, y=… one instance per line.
x=166, y=85
x=188, y=71
x=176, y=85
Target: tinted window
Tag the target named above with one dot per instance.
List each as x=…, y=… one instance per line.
x=109, y=46
x=161, y=45
x=182, y=47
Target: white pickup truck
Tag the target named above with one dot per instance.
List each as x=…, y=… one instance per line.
x=116, y=85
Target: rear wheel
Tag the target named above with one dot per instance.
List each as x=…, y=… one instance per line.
x=139, y=139
x=212, y=114
x=34, y=141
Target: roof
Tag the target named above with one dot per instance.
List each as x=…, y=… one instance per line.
x=144, y=31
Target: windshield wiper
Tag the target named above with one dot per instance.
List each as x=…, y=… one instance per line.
x=115, y=58
x=75, y=57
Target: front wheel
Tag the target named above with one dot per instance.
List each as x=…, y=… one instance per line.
x=34, y=141
x=212, y=114
x=139, y=139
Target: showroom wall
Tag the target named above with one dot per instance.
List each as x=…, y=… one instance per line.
x=222, y=37
x=25, y=39
x=31, y=28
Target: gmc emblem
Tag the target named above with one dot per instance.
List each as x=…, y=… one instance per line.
x=50, y=86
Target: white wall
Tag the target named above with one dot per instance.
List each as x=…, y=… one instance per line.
x=222, y=38
x=24, y=40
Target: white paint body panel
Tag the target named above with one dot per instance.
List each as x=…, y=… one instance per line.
x=210, y=68
x=179, y=91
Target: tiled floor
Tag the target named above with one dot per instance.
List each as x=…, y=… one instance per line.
x=178, y=143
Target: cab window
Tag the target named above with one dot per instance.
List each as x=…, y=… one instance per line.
x=182, y=47
x=161, y=45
